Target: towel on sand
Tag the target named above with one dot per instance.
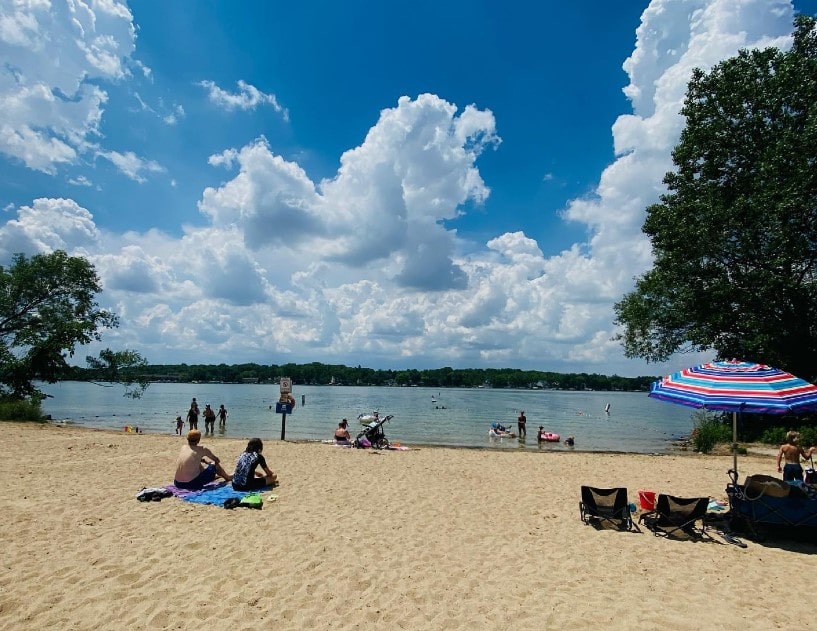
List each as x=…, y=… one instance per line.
x=183, y=493
x=213, y=493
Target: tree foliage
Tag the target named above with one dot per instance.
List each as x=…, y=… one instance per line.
x=47, y=308
x=735, y=237
x=122, y=367
x=316, y=373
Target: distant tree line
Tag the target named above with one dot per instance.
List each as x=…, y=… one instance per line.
x=325, y=374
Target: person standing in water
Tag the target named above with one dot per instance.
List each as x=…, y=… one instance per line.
x=520, y=424
x=209, y=420
x=222, y=416
x=193, y=415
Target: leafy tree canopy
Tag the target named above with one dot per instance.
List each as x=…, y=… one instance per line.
x=123, y=367
x=735, y=236
x=326, y=374
x=47, y=308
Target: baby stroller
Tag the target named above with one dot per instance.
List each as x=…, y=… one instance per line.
x=373, y=435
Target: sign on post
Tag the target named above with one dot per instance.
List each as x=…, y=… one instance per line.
x=285, y=404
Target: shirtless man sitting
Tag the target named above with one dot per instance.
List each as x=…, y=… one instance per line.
x=197, y=465
x=791, y=451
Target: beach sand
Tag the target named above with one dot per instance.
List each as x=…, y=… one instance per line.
x=430, y=538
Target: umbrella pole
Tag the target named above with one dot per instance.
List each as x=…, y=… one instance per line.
x=735, y=443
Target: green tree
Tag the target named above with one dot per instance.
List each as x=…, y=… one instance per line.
x=122, y=367
x=47, y=308
x=735, y=236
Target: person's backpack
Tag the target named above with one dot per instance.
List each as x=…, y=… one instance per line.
x=252, y=501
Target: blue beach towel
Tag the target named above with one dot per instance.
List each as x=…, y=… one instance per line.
x=215, y=493
x=216, y=496
x=183, y=493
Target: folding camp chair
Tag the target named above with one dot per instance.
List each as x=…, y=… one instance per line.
x=677, y=516
x=600, y=506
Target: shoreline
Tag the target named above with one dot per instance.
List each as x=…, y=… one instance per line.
x=675, y=448
x=428, y=538
x=534, y=448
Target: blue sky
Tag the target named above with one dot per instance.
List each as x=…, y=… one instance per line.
x=446, y=184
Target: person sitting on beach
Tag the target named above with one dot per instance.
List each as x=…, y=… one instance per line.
x=342, y=436
x=197, y=465
x=245, y=477
x=791, y=451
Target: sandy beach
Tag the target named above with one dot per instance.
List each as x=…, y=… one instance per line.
x=423, y=539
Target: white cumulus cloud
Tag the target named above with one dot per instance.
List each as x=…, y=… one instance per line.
x=248, y=97
x=360, y=267
x=52, y=53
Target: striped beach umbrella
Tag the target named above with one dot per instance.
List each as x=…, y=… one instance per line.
x=737, y=387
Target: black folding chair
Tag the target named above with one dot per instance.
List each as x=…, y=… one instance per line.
x=606, y=506
x=677, y=517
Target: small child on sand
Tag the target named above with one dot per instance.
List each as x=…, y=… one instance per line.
x=179, y=425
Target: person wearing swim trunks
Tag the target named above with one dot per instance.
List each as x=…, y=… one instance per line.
x=791, y=451
x=209, y=419
x=245, y=477
x=197, y=465
x=521, y=424
x=222, y=416
x=193, y=415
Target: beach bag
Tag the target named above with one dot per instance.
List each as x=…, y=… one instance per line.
x=251, y=501
x=759, y=484
x=810, y=476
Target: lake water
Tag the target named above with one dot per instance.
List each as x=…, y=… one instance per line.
x=448, y=417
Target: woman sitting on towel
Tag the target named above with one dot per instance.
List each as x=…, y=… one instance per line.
x=246, y=478
x=342, y=436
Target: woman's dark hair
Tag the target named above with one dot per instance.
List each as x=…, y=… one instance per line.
x=255, y=445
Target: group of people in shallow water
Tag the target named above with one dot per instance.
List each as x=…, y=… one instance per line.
x=498, y=430
x=197, y=465
x=209, y=418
